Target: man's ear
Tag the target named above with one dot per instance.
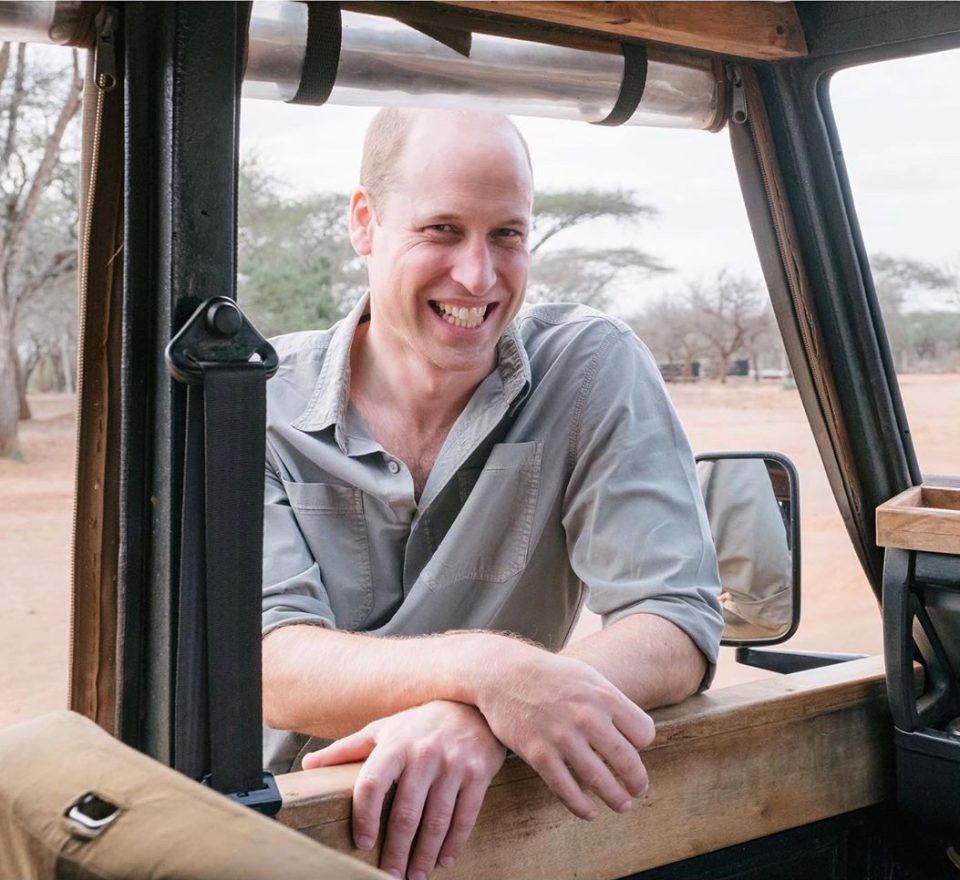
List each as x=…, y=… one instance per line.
x=361, y=222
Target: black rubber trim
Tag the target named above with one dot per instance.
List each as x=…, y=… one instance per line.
x=631, y=87
x=322, y=57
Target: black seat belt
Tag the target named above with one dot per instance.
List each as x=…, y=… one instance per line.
x=217, y=725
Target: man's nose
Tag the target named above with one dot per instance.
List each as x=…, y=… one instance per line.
x=474, y=269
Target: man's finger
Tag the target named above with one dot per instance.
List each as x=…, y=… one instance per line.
x=635, y=724
x=594, y=775
x=464, y=818
x=354, y=747
x=378, y=773
x=437, y=816
x=621, y=755
x=555, y=773
x=404, y=821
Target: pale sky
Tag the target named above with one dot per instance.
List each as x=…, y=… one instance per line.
x=899, y=122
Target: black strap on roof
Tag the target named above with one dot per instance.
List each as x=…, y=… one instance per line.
x=631, y=86
x=322, y=56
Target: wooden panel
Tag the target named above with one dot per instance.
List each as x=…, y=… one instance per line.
x=758, y=30
x=439, y=15
x=921, y=518
x=727, y=767
x=96, y=532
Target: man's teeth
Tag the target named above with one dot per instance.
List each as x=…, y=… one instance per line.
x=461, y=316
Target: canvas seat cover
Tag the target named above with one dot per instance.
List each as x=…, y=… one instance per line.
x=168, y=826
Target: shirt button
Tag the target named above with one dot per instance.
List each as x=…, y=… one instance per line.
x=393, y=467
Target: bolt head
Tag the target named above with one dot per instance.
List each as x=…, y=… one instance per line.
x=224, y=319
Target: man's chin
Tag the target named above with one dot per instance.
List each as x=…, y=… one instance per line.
x=464, y=359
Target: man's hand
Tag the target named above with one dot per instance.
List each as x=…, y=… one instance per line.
x=442, y=757
x=569, y=723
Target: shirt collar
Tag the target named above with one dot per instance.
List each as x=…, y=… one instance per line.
x=331, y=395
x=513, y=365
x=330, y=400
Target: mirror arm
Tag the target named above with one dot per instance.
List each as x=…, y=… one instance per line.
x=791, y=661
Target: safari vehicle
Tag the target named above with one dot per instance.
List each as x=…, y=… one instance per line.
x=840, y=768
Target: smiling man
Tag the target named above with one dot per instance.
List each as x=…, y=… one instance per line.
x=449, y=477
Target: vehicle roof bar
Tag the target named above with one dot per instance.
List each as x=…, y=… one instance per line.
x=382, y=61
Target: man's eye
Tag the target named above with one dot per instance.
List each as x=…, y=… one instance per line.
x=442, y=228
x=506, y=232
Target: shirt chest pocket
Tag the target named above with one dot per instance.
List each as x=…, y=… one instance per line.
x=332, y=522
x=490, y=538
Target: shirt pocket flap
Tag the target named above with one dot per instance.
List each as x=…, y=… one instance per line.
x=502, y=457
x=331, y=520
x=324, y=498
x=506, y=456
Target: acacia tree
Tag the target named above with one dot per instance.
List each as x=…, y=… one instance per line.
x=36, y=107
x=584, y=274
x=553, y=212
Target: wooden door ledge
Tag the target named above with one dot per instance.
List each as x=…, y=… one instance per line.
x=727, y=766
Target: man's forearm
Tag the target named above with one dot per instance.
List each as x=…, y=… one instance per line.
x=328, y=683
x=569, y=721
x=649, y=659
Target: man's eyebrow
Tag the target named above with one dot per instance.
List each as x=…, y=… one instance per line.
x=450, y=217
x=443, y=217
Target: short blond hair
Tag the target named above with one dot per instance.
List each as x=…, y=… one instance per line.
x=383, y=145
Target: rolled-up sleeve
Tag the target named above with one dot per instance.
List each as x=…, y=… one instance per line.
x=293, y=590
x=633, y=514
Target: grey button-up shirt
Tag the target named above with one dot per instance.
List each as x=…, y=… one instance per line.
x=567, y=476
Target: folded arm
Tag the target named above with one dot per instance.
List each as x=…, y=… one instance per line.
x=328, y=683
x=432, y=715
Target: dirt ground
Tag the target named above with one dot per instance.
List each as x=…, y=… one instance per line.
x=839, y=612
x=36, y=522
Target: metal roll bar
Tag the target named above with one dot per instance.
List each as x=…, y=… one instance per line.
x=387, y=62
x=374, y=61
x=38, y=22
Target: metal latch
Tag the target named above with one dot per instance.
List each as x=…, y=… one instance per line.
x=219, y=333
x=105, y=59
x=90, y=815
x=738, y=103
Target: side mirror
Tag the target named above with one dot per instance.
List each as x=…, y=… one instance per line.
x=752, y=503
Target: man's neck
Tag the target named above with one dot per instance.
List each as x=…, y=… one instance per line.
x=428, y=398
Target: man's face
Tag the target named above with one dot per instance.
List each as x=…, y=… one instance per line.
x=447, y=247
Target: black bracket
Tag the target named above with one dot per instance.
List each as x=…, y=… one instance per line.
x=921, y=602
x=786, y=662
x=264, y=800
x=217, y=332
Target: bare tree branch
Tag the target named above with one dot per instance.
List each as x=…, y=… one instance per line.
x=60, y=263
x=41, y=179
x=13, y=114
x=729, y=314
x=4, y=61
